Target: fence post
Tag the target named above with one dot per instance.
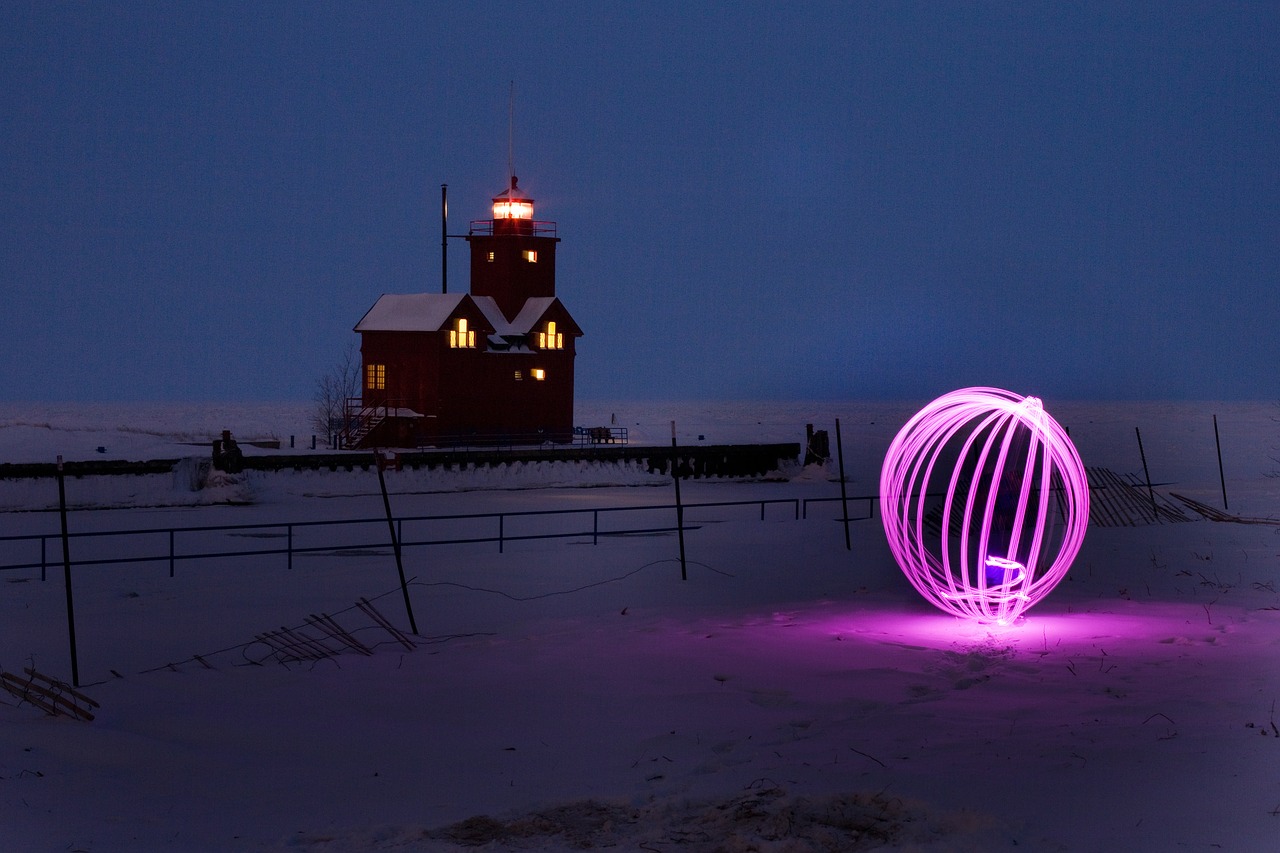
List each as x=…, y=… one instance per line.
x=66, y=575
x=1150, y=492
x=844, y=495
x=675, y=474
x=1221, y=476
x=395, y=540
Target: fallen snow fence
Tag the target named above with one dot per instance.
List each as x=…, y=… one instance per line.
x=55, y=698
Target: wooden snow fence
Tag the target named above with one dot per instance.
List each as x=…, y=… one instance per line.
x=322, y=637
x=1215, y=514
x=55, y=698
x=1116, y=501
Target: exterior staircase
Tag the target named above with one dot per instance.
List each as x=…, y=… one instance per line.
x=358, y=421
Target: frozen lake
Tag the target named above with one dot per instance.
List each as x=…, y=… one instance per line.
x=790, y=695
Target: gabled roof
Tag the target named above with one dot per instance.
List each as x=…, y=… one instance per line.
x=489, y=307
x=531, y=312
x=410, y=312
x=430, y=312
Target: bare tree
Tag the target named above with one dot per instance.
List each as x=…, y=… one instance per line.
x=334, y=388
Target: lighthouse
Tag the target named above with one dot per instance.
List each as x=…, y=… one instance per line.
x=494, y=365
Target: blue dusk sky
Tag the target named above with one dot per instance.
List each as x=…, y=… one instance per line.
x=756, y=200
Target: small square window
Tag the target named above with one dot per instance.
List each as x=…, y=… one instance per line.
x=491, y=257
x=530, y=256
x=539, y=374
x=519, y=376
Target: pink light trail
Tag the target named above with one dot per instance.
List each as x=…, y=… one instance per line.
x=984, y=502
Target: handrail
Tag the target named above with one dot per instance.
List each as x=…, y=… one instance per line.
x=358, y=418
x=870, y=499
x=520, y=227
x=288, y=528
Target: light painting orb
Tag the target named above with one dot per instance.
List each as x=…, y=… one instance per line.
x=984, y=502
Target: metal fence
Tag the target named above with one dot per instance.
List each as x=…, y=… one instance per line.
x=870, y=499
x=173, y=545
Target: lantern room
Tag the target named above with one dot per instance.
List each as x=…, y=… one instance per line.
x=513, y=211
x=512, y=204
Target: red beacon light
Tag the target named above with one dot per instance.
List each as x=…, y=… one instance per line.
x=513, y=216
x=512, y=204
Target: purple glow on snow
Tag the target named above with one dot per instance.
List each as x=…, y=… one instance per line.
x=985, y=503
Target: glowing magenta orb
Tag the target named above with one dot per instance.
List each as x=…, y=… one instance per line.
x=985, y=503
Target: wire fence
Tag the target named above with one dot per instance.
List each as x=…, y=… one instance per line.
x=175, y=545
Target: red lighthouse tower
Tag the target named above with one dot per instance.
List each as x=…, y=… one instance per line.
x=513, y=256
x=492, y=365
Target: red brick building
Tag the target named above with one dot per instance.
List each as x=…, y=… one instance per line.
x=492, y=365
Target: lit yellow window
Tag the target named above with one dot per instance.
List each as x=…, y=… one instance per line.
x=519, y=376
x=375, y=377
x=539, y=374
x=530, y=256
x=491, y=257
x=551, y=339
x=460, y=337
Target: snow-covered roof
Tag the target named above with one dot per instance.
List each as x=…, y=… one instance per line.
x=410, y=312
x=531, y=312
x=489, y=307
x=429, y=312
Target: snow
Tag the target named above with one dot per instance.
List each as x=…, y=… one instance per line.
x=791, y=695
x=533, y=310
x=410, y=312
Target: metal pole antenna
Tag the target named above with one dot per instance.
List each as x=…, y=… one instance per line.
x=444, y=238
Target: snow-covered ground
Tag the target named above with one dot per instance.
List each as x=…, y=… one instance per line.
x=791, y=695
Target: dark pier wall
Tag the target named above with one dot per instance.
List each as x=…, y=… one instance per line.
x=720, y=460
